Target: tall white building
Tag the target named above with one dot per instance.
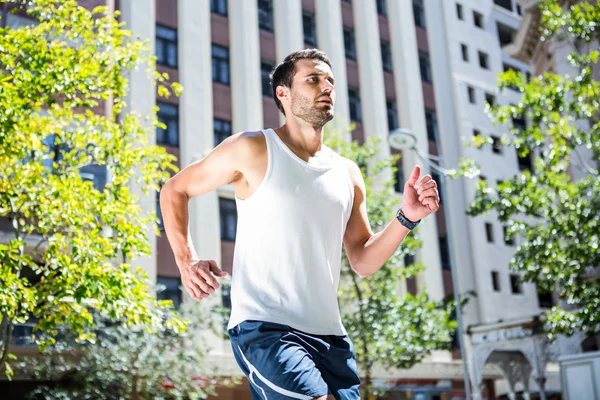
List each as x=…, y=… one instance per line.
x=424, y=65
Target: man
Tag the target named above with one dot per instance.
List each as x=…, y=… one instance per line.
x=297, y=201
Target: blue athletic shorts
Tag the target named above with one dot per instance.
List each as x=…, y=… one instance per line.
x=283, y=363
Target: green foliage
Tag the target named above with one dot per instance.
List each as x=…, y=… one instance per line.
x=388, y=329
x=130, y=363
x=61, y=267
x=555, y=215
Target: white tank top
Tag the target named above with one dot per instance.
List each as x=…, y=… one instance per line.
x=287, y=258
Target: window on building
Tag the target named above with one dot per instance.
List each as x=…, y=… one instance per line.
x=496, y=281
x=419, y=13
x=349, y=43
x=265, y=73
x=519, y=9
x=166, y=46
x=465, y=52
x=169, y=288
x=94, y=173
x=483, y=179
x=496, y=145
x=505, y=34
x=265, y=15
x=220, y=64
x=168, y=114
x=515, y=284
x=508, y=239
x=459, y=11
x=478, y=19
x=425, y=65
x=382, y=8
x=489, y=232
x=392, y=115
x=431, y=121
x=228, y=219
x=399, y=177
x=484, y=60
x=506, y=4
x=507, y=67
x=444, y=252
x=471, y=93
x=219, y=7
x=222, y=130
x=310, y=29
x=490, y=99
x=355, y=108
x=476, y=132
x=519, y=123
x=386, y=56
x=525, y=162
x=160, y=223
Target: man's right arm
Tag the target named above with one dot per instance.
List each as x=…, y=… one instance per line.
x=221, y=166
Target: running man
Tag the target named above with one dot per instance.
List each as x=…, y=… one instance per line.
x=297, y=202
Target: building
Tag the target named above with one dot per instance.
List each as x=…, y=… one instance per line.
x=424, y=65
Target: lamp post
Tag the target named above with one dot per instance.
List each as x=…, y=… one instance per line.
x=404, y=139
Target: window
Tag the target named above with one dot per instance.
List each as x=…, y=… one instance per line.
x=431, y=121
x=465, y=52
x=409, y=259
x=505, y=34
x=166, y=46
x=419, y=13
x=496, y=281
x=168, y=114
x=444, y=252
x=399, y=177
x=220, y=64
x=478, y=19
x=476, y=132
x=519, y=9
x=484, y=60
x=355, y=109
x=515, y=284
x=459, y=11
x=386, y=56
x=471, y=93
x=222, y=130
x=425, y=67
x=381, y=8
x=525, y=162
x=160, y=224
x=508, y=239
x=94, y=173
x=496, y=145
x=392, y=115
x=310, y=29
x=519, y=123
x=506, y=4
x=507, y=67
x=489, y=232
x=169, y=288
x=483, y=179
x=490, y=99
x=219, y=7
x=265, y=15
x=349, y=43
x=228, y=219
x=265, y=74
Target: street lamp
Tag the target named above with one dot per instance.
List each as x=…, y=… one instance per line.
x=404, y=139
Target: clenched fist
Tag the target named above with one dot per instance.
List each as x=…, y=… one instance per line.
x=197, y=277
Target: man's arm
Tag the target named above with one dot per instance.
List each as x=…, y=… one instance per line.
x=368, y=251
x=220, y=167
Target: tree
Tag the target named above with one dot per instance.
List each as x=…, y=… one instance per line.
x=61, y=267
x=386, y=328
x=555, y=215
x=131, y=363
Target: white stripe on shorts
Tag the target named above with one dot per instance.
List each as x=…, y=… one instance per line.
x=271, y=384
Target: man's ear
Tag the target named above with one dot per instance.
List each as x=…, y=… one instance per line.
x=282, y=92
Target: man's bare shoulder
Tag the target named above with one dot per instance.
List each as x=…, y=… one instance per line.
x=247, y=143
x=353, y=170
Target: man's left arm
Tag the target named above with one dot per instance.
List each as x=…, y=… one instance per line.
x=368, y=251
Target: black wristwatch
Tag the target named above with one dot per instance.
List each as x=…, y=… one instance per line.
x=405, y=221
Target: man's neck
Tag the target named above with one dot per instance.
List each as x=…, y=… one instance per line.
x=301, y=136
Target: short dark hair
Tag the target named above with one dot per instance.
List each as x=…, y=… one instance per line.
x=283, y=73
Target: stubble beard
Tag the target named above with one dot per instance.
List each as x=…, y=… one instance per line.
x=304, y=108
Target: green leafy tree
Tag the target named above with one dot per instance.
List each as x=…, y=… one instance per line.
x=555, y=215
x=60, y=267
x=387, y=328
x=131, y=363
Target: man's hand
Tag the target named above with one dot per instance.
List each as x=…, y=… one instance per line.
x=420, y=197
x=197, y=277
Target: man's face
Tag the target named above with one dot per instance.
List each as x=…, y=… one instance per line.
x=312, y=96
